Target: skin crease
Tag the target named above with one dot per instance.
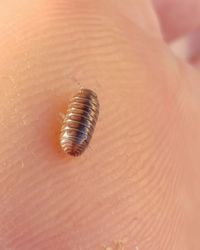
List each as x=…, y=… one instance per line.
x=138, y=181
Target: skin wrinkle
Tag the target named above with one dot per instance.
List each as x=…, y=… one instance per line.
x=147, y=22
x=56, y=202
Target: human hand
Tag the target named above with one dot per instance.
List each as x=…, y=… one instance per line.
x=136, y=186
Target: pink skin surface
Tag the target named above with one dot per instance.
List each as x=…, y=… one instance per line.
x=138, y=182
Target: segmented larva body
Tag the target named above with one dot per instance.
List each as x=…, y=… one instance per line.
x=79, y=122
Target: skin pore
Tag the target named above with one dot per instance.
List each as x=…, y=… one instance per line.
x=138, y=181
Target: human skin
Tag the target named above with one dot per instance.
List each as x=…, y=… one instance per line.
x=138, y=182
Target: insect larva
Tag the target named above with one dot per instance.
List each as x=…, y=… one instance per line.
x=79, y=122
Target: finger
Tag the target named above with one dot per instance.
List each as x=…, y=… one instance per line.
x=194, y=48
x=177, y=17
x=126, y=188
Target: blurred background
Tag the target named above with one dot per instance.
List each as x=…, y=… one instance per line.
x=175, y=19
